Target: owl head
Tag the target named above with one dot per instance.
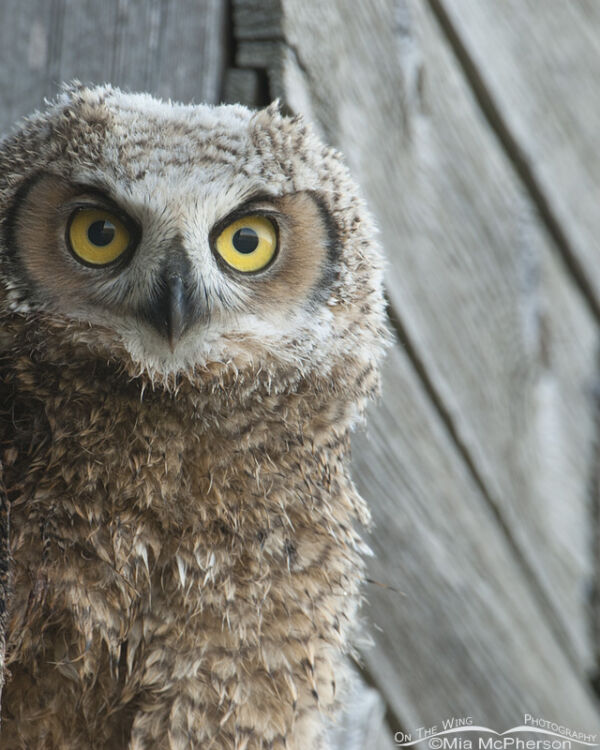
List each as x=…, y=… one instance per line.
x=170, y=237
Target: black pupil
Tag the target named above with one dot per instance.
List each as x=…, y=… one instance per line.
x=245, y=240
x=101, y=232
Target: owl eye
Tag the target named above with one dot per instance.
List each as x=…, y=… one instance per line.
x=248, y=244
x=97, y=237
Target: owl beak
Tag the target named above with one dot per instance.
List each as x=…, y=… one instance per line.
x=175, y=310
x=171, y=311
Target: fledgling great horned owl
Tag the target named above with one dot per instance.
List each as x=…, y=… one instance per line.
x=191, y=319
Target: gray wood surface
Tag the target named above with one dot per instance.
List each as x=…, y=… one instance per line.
x=361, y=724
x=499, y=331
x=459, y=633
x=501, y=336
x=174, y=48
x=536, y=66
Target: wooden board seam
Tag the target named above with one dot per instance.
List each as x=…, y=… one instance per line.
x=461, y=448
x=514, y=153
x=435, y=398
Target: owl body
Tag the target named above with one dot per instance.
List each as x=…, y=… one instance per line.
x=184, y=571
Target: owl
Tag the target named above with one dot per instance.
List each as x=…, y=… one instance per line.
x=191, y=323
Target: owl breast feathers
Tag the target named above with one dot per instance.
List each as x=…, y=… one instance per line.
x=191, y=321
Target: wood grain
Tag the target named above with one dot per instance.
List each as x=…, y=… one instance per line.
x=499, y=331
x=535, y=68
x=242, y=86
x=457, y=633
x=257, y=19
x=361, y=724
x=173, y=49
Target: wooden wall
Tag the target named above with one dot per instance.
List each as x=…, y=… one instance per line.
x=472, y=128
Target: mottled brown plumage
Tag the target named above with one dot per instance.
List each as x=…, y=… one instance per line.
x=184, y=567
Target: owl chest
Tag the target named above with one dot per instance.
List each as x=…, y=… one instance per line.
x=77, y=518
x=151, y=561
x=123, y=519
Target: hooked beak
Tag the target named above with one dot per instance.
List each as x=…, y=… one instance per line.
x=173, y=308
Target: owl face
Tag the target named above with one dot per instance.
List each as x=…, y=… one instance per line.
x=185, y=235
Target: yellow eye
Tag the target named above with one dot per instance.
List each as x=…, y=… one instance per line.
x=97, y=237
x=248, y=244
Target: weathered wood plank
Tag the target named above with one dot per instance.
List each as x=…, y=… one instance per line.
x=242, y=86
x=460, y=634
x=361, y=724
x=194, y=52
x=257, y=19
x=173, y=49
x=383, y=741
x=537, y=69
x=501, y=335
x=268, y=56
x=27, y=44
